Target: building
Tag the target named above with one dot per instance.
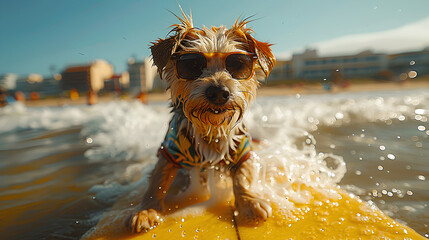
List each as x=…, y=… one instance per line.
x=309, y=65
x=8, y=81
x=86, y=77
x=143, y=76
x=403, y=63
x=281, y=71
x=117, y=83
x=50, y=87
x=33, y=83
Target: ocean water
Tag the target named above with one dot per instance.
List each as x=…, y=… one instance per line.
x=62, y=167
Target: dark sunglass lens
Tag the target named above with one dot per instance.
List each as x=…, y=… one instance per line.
x=190, y=66
x=240, y=66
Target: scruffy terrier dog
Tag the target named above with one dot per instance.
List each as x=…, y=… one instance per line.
x=212, y=75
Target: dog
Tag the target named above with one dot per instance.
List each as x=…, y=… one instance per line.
x=212, y=74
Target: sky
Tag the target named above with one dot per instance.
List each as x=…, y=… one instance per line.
x=46, y=36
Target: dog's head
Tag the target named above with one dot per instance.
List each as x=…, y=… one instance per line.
x=212, y=72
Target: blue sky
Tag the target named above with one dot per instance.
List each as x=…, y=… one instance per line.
x=35, y=35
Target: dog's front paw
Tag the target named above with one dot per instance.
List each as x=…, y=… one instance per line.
x=143, y=221
x=253, y=210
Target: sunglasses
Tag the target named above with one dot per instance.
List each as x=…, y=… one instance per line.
x=190, y=66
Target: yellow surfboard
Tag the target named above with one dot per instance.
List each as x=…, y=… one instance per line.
x=345, y=217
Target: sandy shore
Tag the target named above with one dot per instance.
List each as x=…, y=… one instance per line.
x=263, y=91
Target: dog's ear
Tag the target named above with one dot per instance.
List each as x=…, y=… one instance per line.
x=162, y=51
x=164, y=48
x=266, y=58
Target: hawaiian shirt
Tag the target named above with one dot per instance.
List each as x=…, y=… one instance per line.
x=179, y=149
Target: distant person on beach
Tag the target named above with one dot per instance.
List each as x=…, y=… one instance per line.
x=3, y=100
x=20, y=96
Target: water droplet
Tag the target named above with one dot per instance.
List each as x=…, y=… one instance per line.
x=357, y=172
x=421, y=128
x=409, y=193
x=77, y=222
x=216, y=140
x=391, y=156
x=412, y=74
x=89, y=140
x=380, y=168
x=382, y=148
x=236, y=213
x=154, y=235
x=401, y=118
x=183, y=234
x=421, y=177
x=412, y=63
x=420, y=111
x=298, y=95
x=339, y=115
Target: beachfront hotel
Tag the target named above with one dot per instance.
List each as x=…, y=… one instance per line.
x=367, y=64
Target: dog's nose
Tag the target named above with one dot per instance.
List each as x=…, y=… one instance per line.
x=217, y=94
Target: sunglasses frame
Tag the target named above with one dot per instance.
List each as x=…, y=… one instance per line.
x=208, y=56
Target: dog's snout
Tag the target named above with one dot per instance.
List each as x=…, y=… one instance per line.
x=217, y=94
